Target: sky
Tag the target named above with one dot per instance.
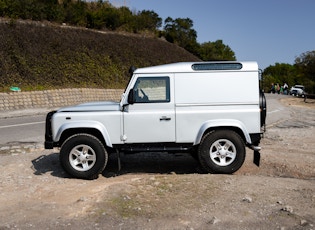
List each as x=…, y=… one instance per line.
x=266, y=31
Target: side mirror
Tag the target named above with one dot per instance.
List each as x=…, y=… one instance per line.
x=131, y=98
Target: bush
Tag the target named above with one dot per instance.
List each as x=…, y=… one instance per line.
x=46, y=56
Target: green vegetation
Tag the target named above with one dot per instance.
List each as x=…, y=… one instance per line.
x=95, y=47
x=37, y=56
x=101, y=15
x=302, y=73
x=42, y=55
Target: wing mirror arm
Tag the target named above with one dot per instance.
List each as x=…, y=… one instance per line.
x=131, y=97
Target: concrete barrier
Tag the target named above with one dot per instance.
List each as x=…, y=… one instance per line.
x=55, y=98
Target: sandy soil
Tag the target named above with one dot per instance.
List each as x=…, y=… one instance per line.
x=164, y=191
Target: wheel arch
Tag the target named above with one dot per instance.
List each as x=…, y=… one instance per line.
x=213, y=125
x=94, y=128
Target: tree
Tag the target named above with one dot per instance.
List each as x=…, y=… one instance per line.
x=75, y=12
x=125, y=17
x=216, y=51
x=103, y=15
x=280, y=73
x=53, y=10
x=180, y=31
x=148, y=20
x=305, y=64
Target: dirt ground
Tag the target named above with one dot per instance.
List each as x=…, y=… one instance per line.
x=164, y=191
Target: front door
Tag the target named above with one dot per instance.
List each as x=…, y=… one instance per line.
x=151, y=118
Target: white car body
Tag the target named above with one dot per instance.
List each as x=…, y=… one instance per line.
x=184, y=101
x=297, y=90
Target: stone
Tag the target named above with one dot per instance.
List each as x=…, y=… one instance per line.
x=304, y=222
x=247, y=199
x=214, y=220
x=288, y=209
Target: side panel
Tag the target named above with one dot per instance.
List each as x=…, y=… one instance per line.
x=151, y=120
x=217, y=88
x=108, y=123
x=190, y=119
x=145, y=123
x=204, y=97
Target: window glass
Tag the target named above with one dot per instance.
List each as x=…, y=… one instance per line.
x=217, y=66
x=152, y=90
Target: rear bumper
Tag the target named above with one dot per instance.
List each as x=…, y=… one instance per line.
x=255, y=138
x=255, y=148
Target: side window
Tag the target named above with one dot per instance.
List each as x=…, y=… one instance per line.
x=152, y=90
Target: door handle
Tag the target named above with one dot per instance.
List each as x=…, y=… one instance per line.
x=164, y=118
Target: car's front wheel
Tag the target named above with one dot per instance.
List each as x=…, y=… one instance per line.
x=221, y=151
x=83, y=156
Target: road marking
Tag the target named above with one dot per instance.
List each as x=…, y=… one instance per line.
x=24, y=124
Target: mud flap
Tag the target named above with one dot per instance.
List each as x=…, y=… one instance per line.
x=118, y=160
x=257, y=158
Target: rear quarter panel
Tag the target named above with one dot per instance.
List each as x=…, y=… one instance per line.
x=230, y=95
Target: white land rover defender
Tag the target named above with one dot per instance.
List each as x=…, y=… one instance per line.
x=209, y=109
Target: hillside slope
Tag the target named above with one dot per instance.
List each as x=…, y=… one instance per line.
x=37, y=55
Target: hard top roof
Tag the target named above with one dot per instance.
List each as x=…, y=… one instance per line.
x=188, y=67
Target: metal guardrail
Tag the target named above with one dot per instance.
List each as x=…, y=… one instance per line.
x=308, y=96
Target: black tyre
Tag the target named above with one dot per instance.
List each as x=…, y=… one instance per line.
x=221, y=151
x=263, y=108
x=83, y=156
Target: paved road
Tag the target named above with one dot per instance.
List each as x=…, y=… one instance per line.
x=276, y=112
x=24, y=127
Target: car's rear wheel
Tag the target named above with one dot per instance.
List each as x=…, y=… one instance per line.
x=263, y=108
x=83, y=156
x=221, y=151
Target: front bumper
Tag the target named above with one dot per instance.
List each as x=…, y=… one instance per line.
x=49, y=144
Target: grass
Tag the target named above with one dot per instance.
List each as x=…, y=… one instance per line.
x=38, y=56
